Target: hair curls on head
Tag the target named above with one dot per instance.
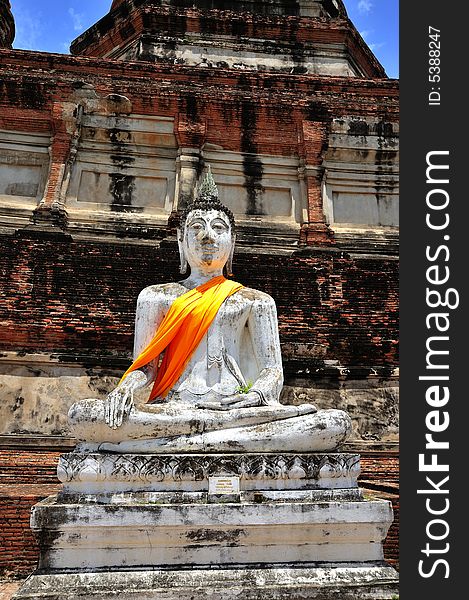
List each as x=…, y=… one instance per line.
x=207, y=199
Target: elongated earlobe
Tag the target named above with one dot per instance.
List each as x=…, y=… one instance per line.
x=229, y=263
x=182, y=254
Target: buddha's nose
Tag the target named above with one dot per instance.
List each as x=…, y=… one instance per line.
x=206, y=235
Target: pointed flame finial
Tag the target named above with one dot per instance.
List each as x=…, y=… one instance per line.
x=208, y=191
x=207, y=198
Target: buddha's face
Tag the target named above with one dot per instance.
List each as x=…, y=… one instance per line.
x=207, y=240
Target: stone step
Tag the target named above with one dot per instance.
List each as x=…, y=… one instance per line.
x=372, y=581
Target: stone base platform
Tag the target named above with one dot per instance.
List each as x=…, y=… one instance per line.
x=165, y=533
x=152, y=526
x=341, y=581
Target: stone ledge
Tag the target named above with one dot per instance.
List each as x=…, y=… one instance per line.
x=251, y=497
x=342, y=581
x=28, y=490
x=31, y=442
x=139, y=535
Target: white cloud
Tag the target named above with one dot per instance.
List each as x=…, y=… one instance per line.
x=29, y=28
x=366, y=34
x=77, y=19
x=374, y=47
x=365, y=6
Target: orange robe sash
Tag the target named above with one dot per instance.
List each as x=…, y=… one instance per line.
x=182, y=330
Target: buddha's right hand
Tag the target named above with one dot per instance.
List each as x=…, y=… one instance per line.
x=120, y=401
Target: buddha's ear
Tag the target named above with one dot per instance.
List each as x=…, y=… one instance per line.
x=182, y=254
x=229, y=262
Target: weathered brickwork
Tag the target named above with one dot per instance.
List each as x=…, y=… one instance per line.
x=7, y=25
x=19, y=550
x=26, y=477
x=27, y=467
x=331, y=307
x=123, y=28
x=380, y=478
x=280, y=103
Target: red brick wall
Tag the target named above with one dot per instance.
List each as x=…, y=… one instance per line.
x=251, y=113
x=28, y=467
x=119, y=29
x=391, y=545
x=217, y=99
x=26, y=477
x=19, y=551
x=61, y=296
x=380, y=479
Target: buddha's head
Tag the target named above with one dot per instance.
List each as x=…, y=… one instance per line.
x=206, y=235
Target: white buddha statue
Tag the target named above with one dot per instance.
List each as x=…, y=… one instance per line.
x=216, y=385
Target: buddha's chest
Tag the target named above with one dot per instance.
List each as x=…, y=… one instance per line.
x=226, y=334
x=232, y=316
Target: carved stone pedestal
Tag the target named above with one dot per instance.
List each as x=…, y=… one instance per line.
x=149, y=526
x=102, y=475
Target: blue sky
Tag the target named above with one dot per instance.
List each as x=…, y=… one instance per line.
x=50, y=25
x=378, y=23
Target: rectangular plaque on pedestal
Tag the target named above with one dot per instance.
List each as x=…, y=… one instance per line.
x=223, y=485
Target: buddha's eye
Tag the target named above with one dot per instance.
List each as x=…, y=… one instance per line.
x=219, y=226
x=196, y=226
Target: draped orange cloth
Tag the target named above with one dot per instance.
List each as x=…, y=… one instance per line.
x=182, y=330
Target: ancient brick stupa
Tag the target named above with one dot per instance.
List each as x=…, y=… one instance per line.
x=101, y=151
x=299, y=37
x=7, y=25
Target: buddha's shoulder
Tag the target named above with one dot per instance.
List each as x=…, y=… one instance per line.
x=161, y=292
x=255, y=296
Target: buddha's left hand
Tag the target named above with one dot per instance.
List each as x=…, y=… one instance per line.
x=235, y=401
